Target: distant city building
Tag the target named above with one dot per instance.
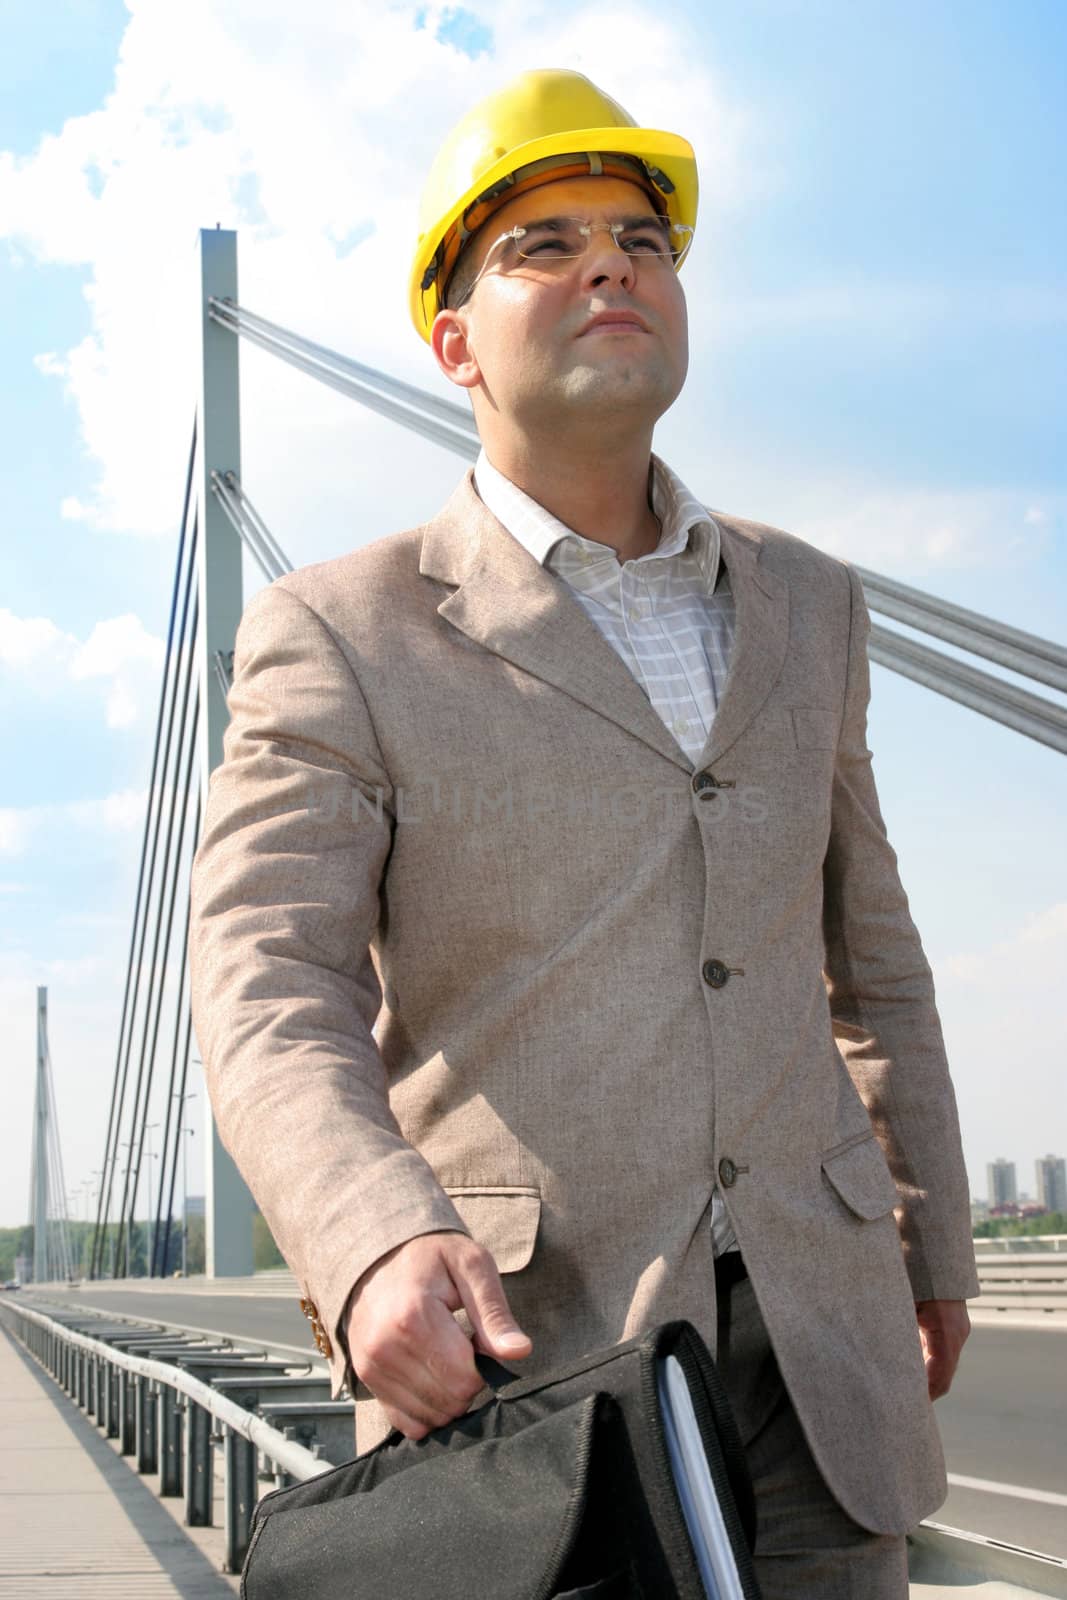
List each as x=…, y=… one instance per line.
x=194, y=1205
x=23, y=1269
x=1000, y=1182
x=1052, y=1183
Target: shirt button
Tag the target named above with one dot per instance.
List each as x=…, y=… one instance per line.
x=636, y=613
x=680, y=725
x=716, y=974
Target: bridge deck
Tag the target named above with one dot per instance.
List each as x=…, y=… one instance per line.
x=74, y=1517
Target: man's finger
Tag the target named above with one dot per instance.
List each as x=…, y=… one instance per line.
x=408, y=1425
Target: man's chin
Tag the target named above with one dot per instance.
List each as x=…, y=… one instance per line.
x=619, y=387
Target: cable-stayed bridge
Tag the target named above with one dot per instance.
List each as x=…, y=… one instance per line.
x=219, y=517
x=155, y=1049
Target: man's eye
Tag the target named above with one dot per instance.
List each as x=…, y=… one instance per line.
x=643, y=243
x=547, y=247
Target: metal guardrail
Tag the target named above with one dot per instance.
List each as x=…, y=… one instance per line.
x=1027, y=1279
x=1020, y=1287
x=1033, y=1244
x=163, y=1414
x=126, y=1392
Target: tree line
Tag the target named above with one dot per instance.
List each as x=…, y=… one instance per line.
x=16, y=1242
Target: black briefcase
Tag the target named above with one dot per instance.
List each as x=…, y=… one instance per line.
x=619, y=1476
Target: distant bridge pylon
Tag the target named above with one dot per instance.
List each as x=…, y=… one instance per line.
x=52, y=1259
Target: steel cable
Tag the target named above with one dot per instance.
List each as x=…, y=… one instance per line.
x=95, y=1256
x=1003, y=702
x=157, y=978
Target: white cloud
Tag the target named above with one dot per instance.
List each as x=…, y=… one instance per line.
x=1007, y=1042
x=123, y=653
x=301, y=133
x=120, y=812
x=32, y=641
x=15, y=830
x=897, y=528
x=113, y=813
x=1041, y=942
x=889, y=310
x=918, y=530
x=120, y=655
x=50, y=364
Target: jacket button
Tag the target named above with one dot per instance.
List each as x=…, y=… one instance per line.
x=715, y=973
x=727, y=1172
x=705, y=783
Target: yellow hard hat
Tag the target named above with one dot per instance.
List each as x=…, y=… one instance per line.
x=520, y=137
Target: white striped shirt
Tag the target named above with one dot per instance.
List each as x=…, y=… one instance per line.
x=669, y=615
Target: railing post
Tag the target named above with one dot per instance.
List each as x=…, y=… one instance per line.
x=198, y=1466
x=242, y=1486
x=111, y=1413
x=145, y=1404
x=228, y=1205
x=126, y=1413
x=170, y=1443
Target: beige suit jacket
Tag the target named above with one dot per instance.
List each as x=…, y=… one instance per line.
x=475, y=947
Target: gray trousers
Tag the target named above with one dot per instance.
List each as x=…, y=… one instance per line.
x=807, y=1547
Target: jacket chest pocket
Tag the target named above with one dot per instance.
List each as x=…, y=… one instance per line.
x=503, y=1219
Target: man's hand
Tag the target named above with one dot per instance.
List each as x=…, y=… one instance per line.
x=943, y=1329
x=406, y=1346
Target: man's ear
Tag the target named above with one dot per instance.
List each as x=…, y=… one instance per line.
x=451, y=344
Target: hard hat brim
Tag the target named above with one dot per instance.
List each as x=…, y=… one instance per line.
x=668, y=152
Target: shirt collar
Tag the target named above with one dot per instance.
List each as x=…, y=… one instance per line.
x=685, y=522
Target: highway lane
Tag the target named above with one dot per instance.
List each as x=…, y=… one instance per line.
x=271, y=1319
x=1004, y=1420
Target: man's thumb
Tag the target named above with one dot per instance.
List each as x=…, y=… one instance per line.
x=487, y=1307
x=511, y=1342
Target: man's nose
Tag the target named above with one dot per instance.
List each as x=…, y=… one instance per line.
x=605, y=262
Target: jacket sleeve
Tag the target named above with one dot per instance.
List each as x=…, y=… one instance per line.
x=284, y=905
x=885, y=1022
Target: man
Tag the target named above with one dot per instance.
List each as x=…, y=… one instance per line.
x=551, y=969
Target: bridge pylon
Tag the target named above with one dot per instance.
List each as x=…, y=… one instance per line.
x=228, y=1205
x=48, y=1196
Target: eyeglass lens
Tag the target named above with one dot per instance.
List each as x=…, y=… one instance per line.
x=562, y=238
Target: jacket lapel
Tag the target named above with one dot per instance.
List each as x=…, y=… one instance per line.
x=761, y=638
x=505, y=601
x=508, y=603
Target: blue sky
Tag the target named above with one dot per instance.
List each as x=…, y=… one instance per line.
x=879, y=315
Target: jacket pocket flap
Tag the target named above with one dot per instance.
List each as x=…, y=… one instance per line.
x=503, y=1220
x=860, y=1174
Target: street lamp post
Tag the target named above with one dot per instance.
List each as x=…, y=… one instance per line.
x=184, y=1133
x=147, y=1231
x=125, y=1223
